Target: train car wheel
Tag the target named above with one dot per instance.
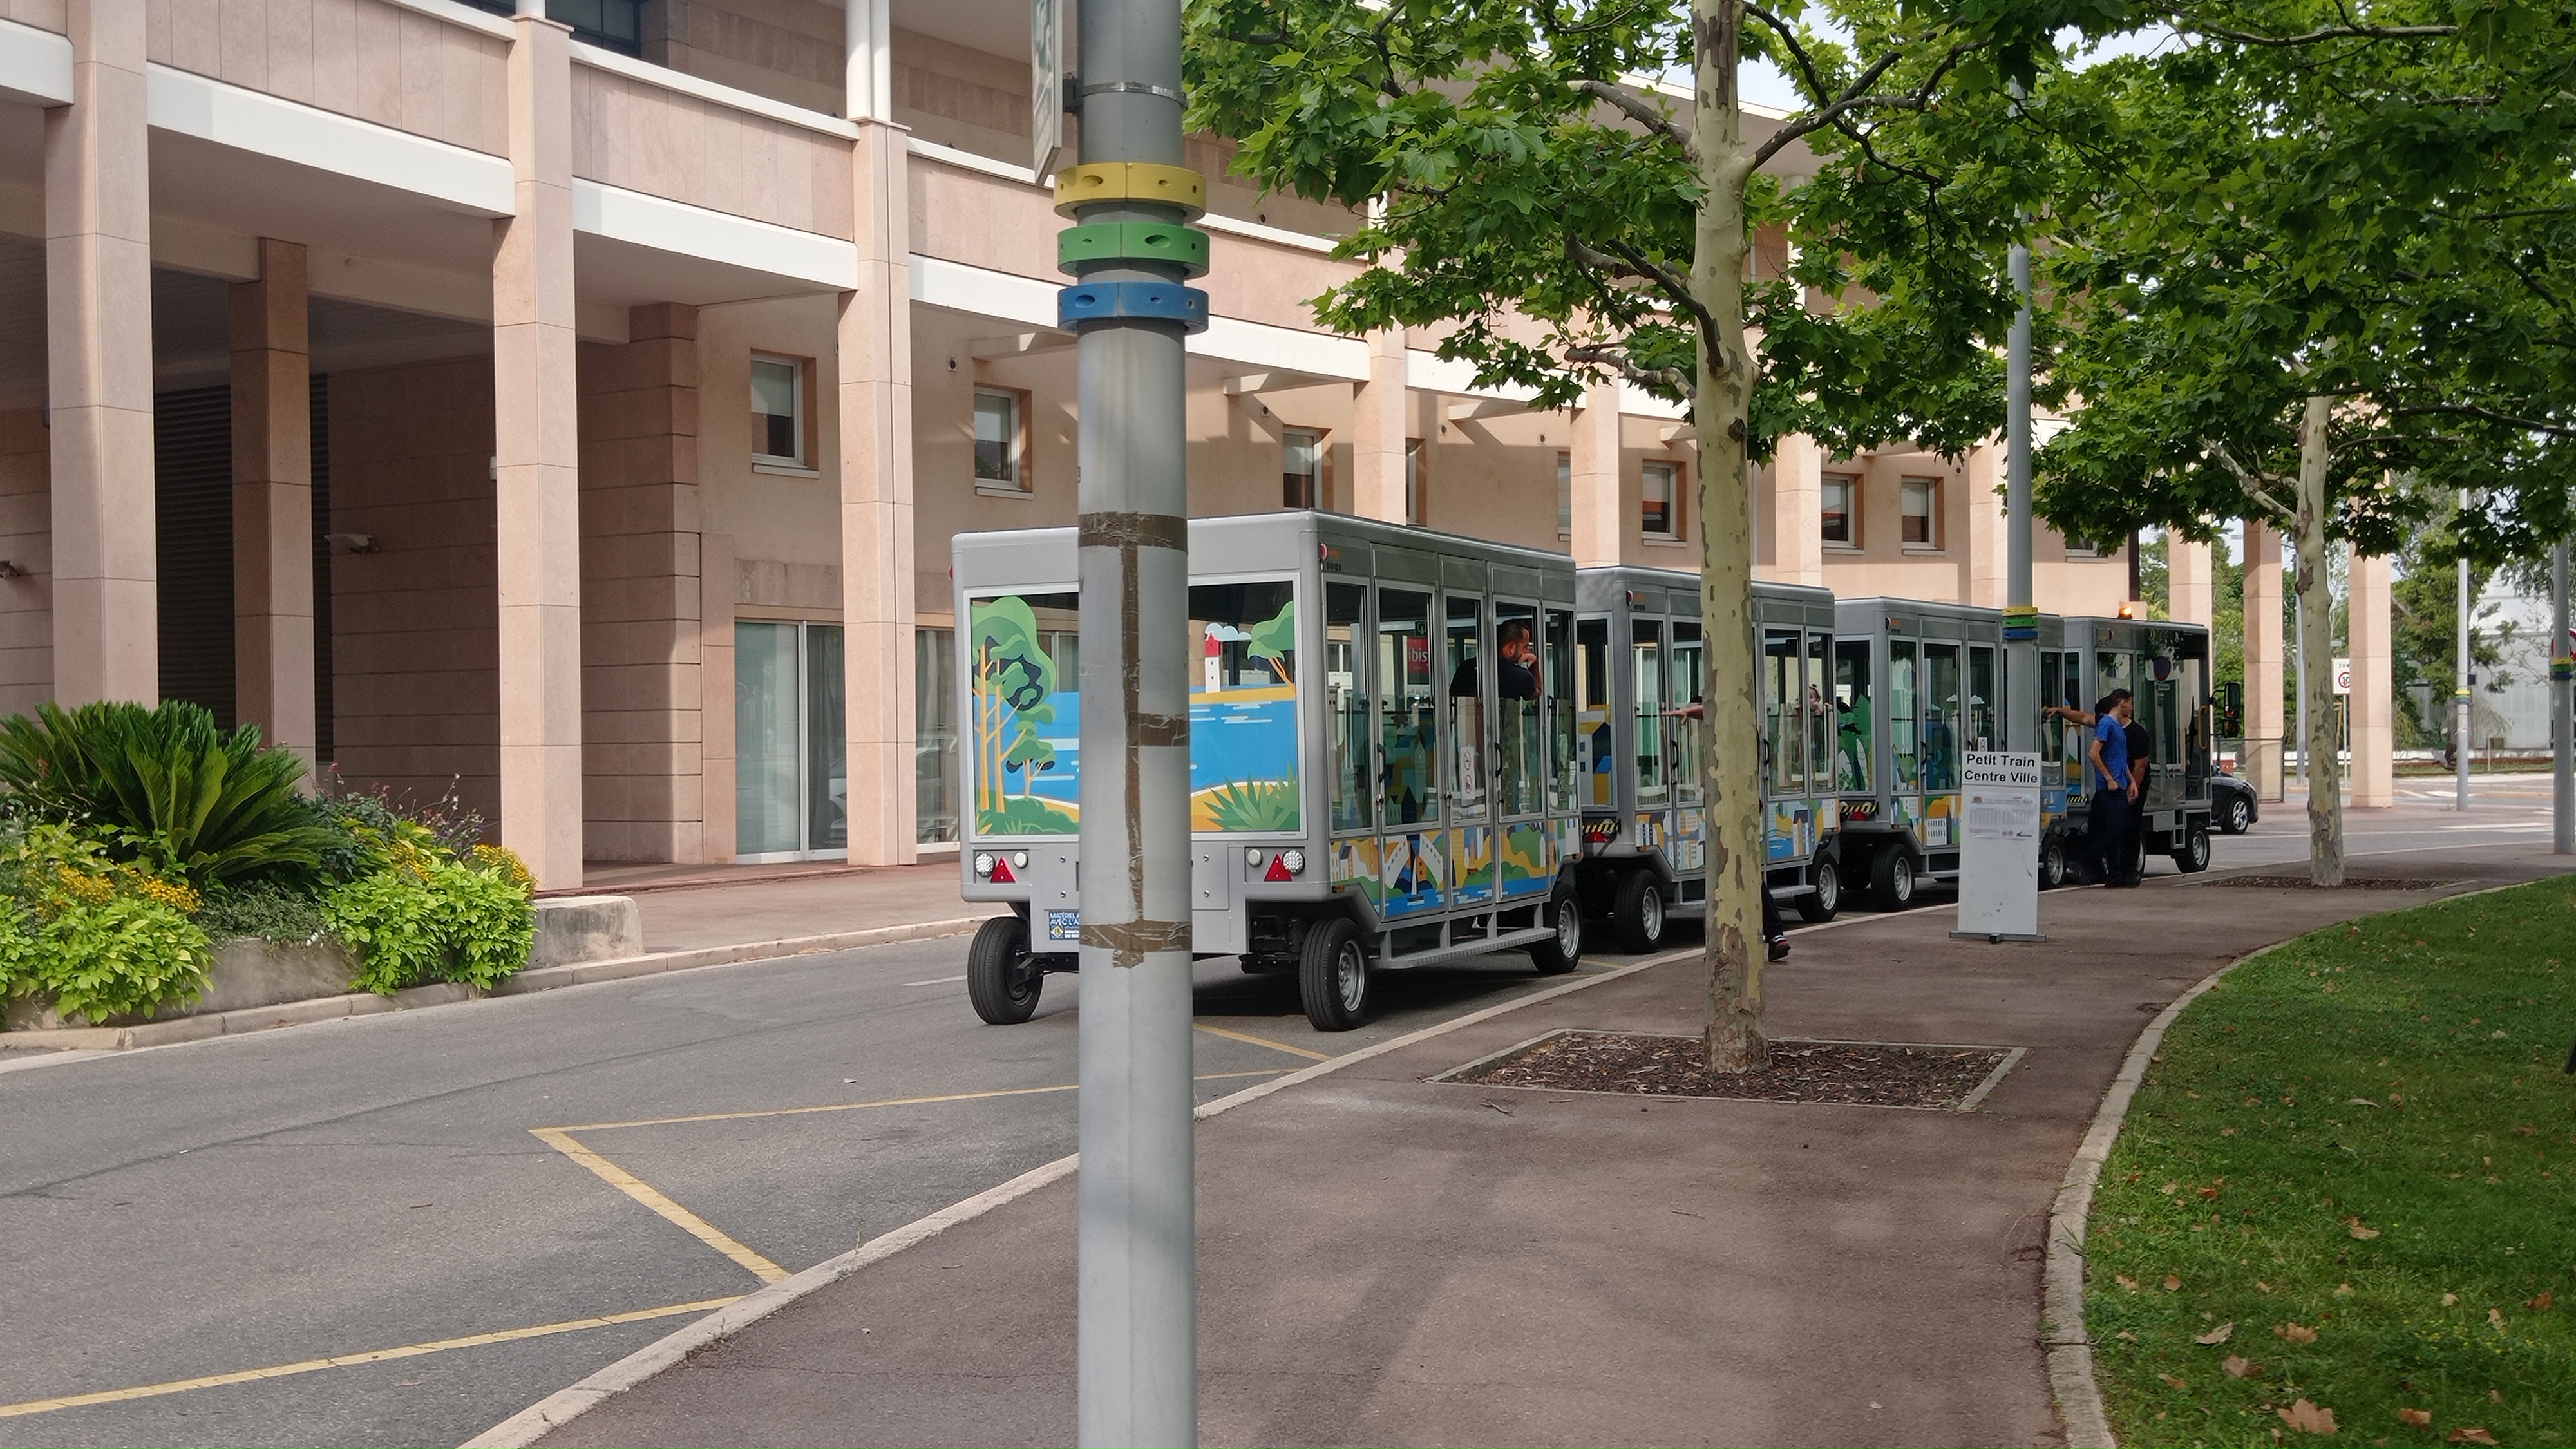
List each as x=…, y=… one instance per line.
x=1892, y=885
x=1563, y=951
x=1826, y=899
x=2193, y=858
x=1638, y=912
x=1002, y=978
x=2052, y=862
x=1333, y=977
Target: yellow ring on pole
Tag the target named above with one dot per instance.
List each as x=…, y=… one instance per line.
x=1131, y=181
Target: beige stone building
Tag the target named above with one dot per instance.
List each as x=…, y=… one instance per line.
x=579, y=409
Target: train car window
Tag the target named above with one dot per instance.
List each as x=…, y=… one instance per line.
x=1408, y=704
x=1021, y=693
x=1783, y=736
x=1594, y=756
x=1981, y=732
x=2052, y=685
x=1904, y=720
x=1519, y=765
x=1690, y=725
x=1943, y=724
x=1820, y=715
x=1469, y=742
x=1646, y=647
x=1853, y=718
x=1347, y=710
x=1244, y=760
x=1556, y=667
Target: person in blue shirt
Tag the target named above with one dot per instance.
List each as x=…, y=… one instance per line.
x=2115, y=792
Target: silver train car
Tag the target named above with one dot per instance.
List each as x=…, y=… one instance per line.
x=2166, y=666
x=1382, y=754
x=1642, y=747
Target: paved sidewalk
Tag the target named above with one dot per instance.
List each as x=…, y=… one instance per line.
x=1389, y=1260
x=710, y=907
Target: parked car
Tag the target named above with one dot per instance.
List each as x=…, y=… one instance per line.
x=2232, y=804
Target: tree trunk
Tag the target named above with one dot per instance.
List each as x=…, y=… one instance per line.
x=1735, y=1039
x=2316, y=638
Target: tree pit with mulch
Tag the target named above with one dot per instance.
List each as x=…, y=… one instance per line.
x=1869, y=1074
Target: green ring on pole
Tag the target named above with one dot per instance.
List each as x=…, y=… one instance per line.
x=1167, y=243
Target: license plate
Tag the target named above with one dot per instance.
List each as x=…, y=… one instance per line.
x=1064, y=926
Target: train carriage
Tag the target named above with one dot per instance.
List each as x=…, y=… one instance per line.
x=1641, y=748
x=1915, y=686
x=1382, y=753
x=2166, y=666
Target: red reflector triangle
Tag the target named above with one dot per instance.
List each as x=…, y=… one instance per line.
x=1278, y=870
x=1002, y=871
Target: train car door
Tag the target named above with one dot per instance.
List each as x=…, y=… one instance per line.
x=1408, y=730
x=1784, y=744
x=1686, y=849
x=1904, y=735
x=1855, y=724
x=1470, y=746
x=1596, y=755
x=1350, y=741
x=1524, y=862
x=1652, y=744
x=1822, y=809
x=1942, y=725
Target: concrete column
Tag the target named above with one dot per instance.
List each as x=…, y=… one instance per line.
x=1379, y=422
x=2373, y=702
x=718, y=752
x=273, y=502
x=2262, y=763
x=642, y=691
x=1600, y=519
x=1989, y=560
x=98, y=333
x=876, y=509
x=536, y=424
x=1796, y=519
x=2191, y=589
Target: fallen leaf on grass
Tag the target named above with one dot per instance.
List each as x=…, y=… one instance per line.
x=2172, y=1284
x=2306, y=1418
x=2215, y=1336
x=2496, y=1316
x=2240, y=1368
x=2471, y=1436
x=2358, y=1231
x=2171, y=1382
x=2343, y=1290
x=2417, y=1418
x=2125, y=1281
x=2295, y=1332
x=2361, y=1101
x=2526, y=1130
x=2539, y=1304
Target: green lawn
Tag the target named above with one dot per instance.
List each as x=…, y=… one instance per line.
x=2363, y=1136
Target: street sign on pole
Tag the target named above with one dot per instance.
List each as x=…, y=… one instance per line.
x=1046, y=83
x=1999, y=855
x=2343, y=676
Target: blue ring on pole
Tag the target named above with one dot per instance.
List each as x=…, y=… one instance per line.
x=1088, y=302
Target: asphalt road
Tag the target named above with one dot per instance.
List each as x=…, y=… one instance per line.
x=262, y=1202
x=191, y=1220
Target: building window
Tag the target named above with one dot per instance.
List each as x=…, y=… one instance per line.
x=1663, y=500
x=1838, y=502
x=1301, y=469
x=790, y=788
x=609, y=24
x=934, y=733
x=1565, y=495
x=1919, y=512
x=2078, y=548
x=1413, y=481
x=1001, y=451
x=778, y=412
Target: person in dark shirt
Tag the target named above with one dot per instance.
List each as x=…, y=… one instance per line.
x=1516, y=677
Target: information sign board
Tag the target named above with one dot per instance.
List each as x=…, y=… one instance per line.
x=1999, y=850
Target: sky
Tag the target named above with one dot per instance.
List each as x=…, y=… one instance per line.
x=1764, y=84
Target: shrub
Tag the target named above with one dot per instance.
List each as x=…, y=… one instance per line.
x=424, y=917
x=171, y=789
x=102, y=938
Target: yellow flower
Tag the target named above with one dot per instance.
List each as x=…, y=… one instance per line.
x=505, y=862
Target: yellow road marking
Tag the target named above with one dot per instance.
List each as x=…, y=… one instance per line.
x=645, y=1193
x=1276, y=1046
x=350, y=1360
x=897, y=1101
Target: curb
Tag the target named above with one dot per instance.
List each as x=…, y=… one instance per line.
x=542, y=978
x=2069, y=1349
x=552, y=1412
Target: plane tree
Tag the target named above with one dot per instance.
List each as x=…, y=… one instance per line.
x=2303, y=260
x=1531, y=191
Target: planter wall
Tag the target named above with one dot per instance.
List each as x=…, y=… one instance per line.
x=247, y=971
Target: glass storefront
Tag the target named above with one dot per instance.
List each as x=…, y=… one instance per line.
x=934, y=734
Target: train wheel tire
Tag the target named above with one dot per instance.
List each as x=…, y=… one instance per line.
x=1333, y=977
x=1002, y=978
x=1637, y=915
x=2052, y=862
x=1891, y=886
x=1563, y=951
x=2193, y=858
x=1822, y=903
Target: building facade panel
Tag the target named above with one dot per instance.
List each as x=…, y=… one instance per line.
x=630, y=133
